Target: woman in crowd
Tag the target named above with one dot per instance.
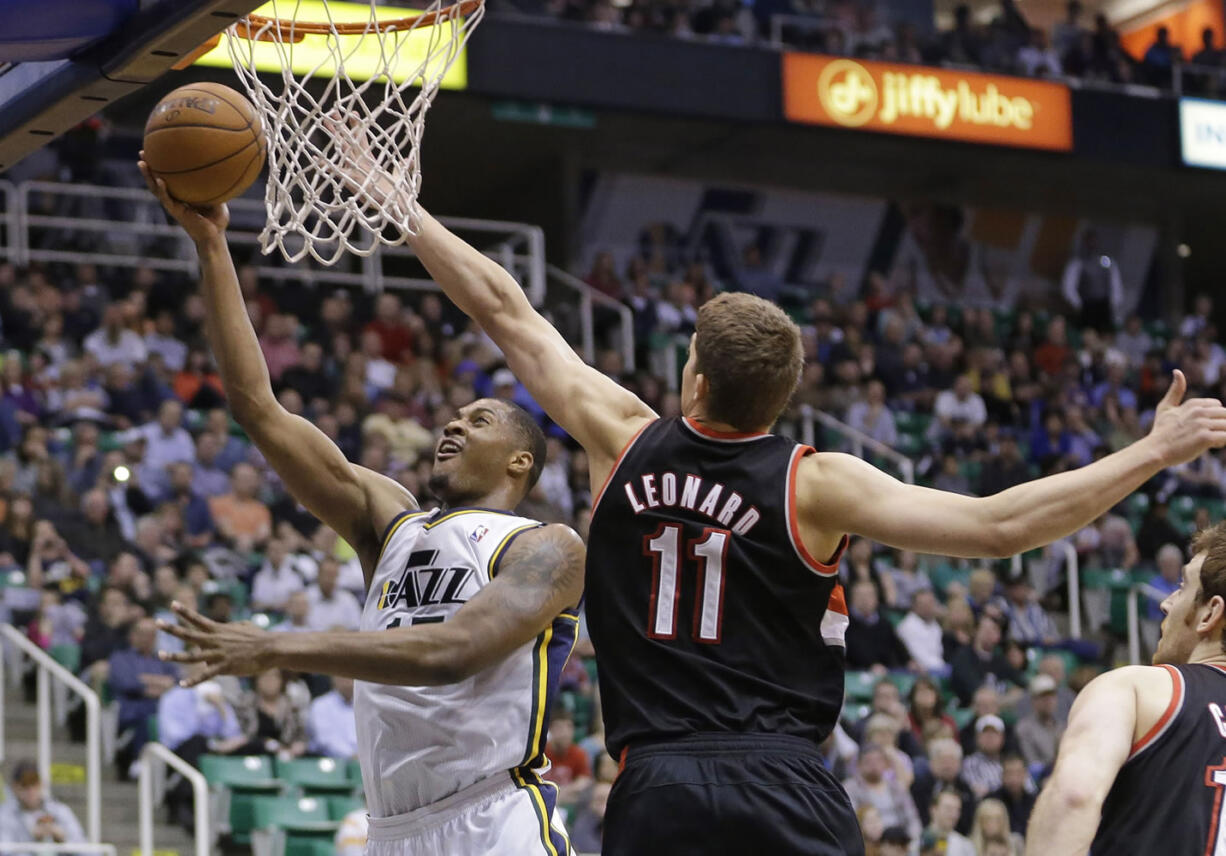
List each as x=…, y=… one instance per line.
x=269, y=719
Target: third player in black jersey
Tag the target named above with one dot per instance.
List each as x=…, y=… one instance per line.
x=717, y=674
x=1142, y=766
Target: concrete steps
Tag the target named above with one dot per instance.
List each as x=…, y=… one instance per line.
x=119, y=798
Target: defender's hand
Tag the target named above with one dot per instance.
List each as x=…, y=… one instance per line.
x=239, y=649
x=202, y=223
x=1186, y=429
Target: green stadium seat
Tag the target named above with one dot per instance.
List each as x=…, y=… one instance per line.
x=859, y=686
x=239, y=781
x=317, y=775
x=293, y=826
x=68, y=656
x=904, y=681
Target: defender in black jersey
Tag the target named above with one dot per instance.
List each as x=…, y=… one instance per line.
x=1142, y=766
x=711, y=597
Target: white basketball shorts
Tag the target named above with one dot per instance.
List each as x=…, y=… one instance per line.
x=509, y=814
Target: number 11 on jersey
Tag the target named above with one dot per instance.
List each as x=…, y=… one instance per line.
x=709, y=551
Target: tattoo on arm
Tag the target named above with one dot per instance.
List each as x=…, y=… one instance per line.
x=546, y=567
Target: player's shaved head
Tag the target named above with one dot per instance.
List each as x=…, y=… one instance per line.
x=529, y=436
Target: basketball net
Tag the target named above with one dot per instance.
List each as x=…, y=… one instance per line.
x=344, y=150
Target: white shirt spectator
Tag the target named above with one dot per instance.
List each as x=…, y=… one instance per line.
x=128, y=348
x=879, y=425
x=163, y=448
x=339, y=610
x=272, y=586
x=19, y=825
x=971, y=409
x=332, y=729
x=923, y=641
x=380, y=373
x=171, y=350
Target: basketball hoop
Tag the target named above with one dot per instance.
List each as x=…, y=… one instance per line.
x=344, y=128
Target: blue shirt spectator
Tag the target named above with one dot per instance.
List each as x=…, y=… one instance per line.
x=330, y=723
x=199, y=711
x=1170, y=567
x=138, y=679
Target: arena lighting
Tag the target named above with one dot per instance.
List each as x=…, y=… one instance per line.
x=122, y=474
x=1183, y=251
x=363, y=58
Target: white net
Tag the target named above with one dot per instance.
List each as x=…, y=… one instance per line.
x=345, y=123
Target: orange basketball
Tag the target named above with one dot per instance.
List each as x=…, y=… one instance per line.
x=206, y=142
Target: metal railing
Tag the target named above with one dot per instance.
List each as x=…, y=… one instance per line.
x=1072, y=570
x=48, y=668
x=1134, y=617
x=156, y=755
x=8, y=219
x=858, y=439
x=588, y=298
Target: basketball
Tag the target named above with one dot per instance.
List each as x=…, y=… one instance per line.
x=206, y=141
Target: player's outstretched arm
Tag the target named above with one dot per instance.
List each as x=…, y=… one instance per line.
x=539, y=578
x=1099, y=738
x=840, y=493
x=355, y=502
x=600, y=414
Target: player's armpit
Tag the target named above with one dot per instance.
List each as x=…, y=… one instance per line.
x=1095, y=746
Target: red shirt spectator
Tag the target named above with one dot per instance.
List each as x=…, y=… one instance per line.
x=396, y=335
x=570, y=768
x=1052, y=354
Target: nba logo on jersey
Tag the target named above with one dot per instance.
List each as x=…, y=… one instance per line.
x=478, y=533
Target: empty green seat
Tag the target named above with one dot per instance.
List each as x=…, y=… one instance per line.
x=859, y=686
x=317, y=775
x=294, y=826
x=250, y=772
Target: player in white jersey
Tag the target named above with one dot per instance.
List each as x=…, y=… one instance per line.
x=475, y=607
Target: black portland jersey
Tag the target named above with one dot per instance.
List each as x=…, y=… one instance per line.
x=706, y=611
x=1167, y=797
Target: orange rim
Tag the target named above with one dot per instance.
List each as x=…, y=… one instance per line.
x=283, y=29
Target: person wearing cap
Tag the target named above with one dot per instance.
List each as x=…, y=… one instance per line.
x=983, y=769
x=1039, y=733
x=33, y=816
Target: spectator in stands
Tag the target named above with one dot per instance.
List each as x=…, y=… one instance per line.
x=981, y=594
x=308, y=375
x=991, y=827
x=271, y=724
x=858, y=565
x=161, y=340
x=331, y=728
x=895, y=841
x=1156, y=529
x=113, y=343
x=30, y=816
x=887, y=701
x=951, y=478
x=603, y=276
x=1160, y=60
x=1039, y=733
x=331, y=607
x=889, y=732
x=208, y=478
x=871, y=828
x=872, y=416
x=192, y=508
x=276, y=579
x=138, y=678
x=872, y=786
x=1016, y=792
x=570, y=768
x=297, y=610
x=1037, y=58
x=943, y=772
x=1199, y=319
x=925, y=711
x=920, y=631
x=981, y=662
x=242, y=519
x=1051, y=356
x=946, y=810
x=907, y=578
x=94, y=533
x=1005, y=468
x=984, y=767
x=106, y=631
x=166, y=442
x=1166, y=581
x=677, y=313
x=960, y=405
x=1068, y=32
x=962, y=45
x=586, y=829
x=1092, y=285
x=871, y=641
x=1029, y=623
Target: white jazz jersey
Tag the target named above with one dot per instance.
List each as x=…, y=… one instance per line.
x=419, y=745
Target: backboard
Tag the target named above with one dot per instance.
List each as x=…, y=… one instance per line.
x=61, y=61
